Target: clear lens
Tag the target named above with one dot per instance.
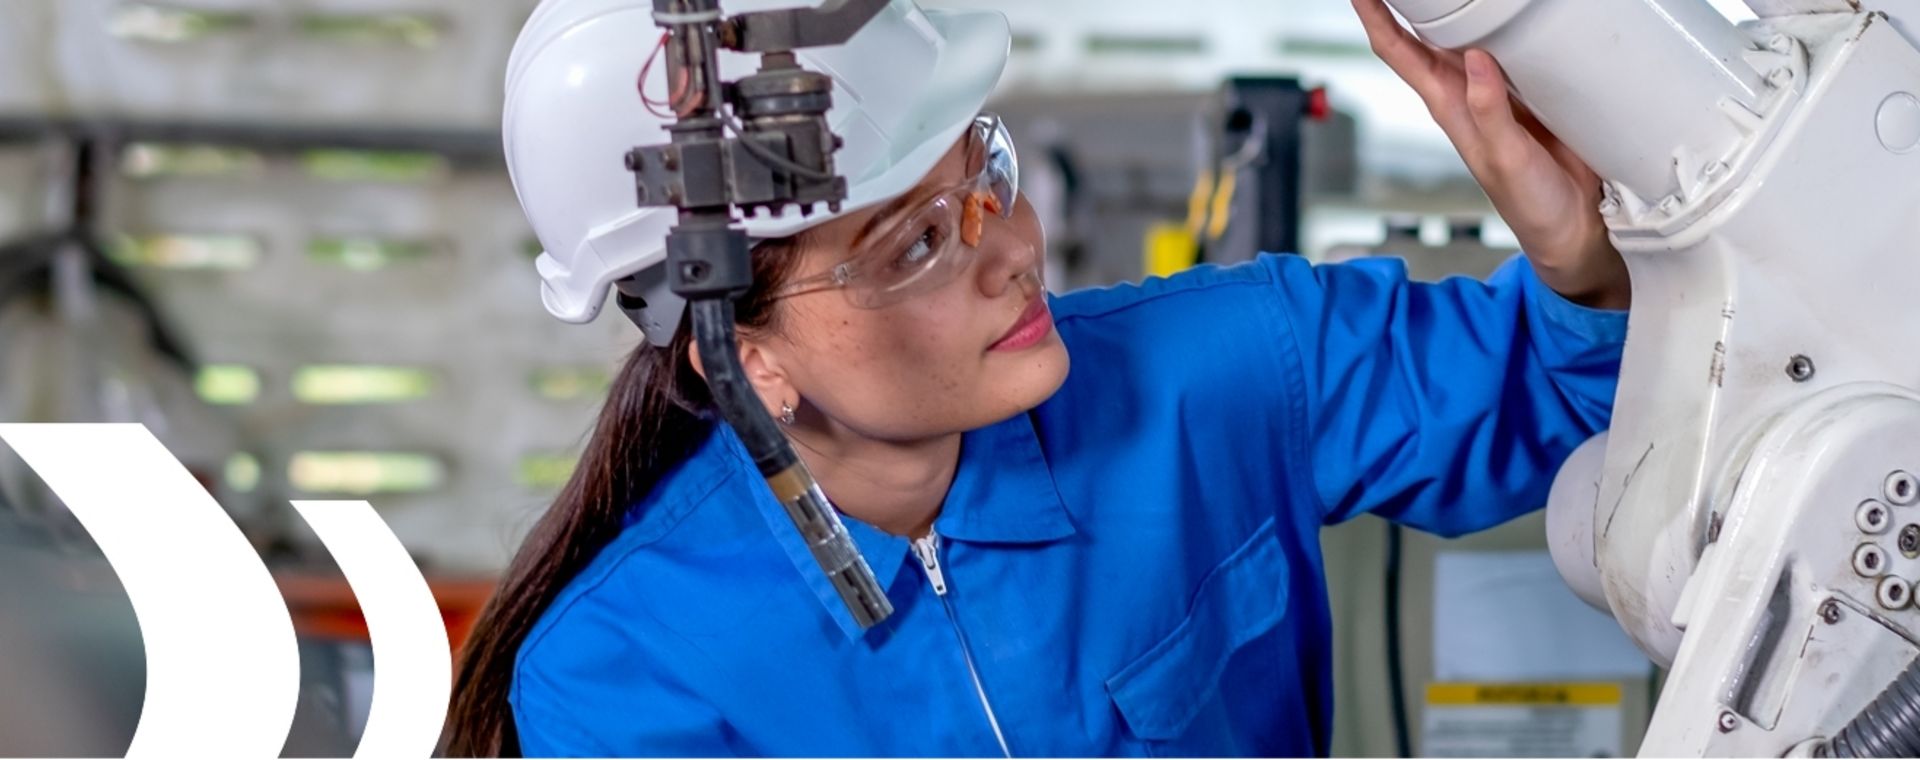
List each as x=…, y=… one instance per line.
x=915, y=255
x=923, y=250
x=1003, y=164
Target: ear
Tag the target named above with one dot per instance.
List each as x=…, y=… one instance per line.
x=765, y=370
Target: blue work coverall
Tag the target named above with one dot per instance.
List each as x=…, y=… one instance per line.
x=1133, y=568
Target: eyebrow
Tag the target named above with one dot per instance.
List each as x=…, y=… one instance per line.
x=887, y=212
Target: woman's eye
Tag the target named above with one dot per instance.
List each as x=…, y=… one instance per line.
x=919, y=251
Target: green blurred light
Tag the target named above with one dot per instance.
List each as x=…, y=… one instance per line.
x=1146, y=44
x=365, y=473
x=216, y=252
x=373, y=165
x=243, y=473
x=546, y=471
x=1314, y=47
x=571, y=384
x=227, y=384
x=145, y=22
x=367, y=254
x=360, y=384
x=414, y=30
x=150, y=160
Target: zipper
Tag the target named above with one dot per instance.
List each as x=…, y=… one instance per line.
x=928, y=551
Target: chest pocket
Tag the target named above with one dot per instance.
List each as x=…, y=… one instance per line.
x=1162, y=691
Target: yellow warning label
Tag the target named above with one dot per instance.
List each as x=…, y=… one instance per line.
x=1523, y=694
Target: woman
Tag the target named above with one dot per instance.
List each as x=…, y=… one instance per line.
x=1118, y=560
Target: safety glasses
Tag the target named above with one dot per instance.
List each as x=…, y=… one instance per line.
x=937, y=238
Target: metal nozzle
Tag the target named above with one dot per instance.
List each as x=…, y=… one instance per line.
x=827, y=538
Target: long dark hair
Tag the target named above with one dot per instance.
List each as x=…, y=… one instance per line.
x=657, y=412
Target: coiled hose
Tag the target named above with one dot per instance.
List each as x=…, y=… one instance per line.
x=1889, y=727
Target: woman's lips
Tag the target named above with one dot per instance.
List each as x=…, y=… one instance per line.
x=1035, y=324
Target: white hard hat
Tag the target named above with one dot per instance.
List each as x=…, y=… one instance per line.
x=905, y=88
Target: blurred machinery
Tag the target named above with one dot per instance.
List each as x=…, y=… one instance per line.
x=1254, y=169
x=1252, y=155
x=196, y=230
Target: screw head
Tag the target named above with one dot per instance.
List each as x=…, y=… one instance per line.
x=1869, y=560
x=1872, y=517
x=1893, y=593
x=1800, y=368
x=1902, y=488
x=1830, y=611
x=1910, y=541
x=1728, y=721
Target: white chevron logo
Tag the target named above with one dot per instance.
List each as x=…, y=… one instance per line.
x=223, y=670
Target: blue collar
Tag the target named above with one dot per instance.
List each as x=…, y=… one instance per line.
x=1002, y=493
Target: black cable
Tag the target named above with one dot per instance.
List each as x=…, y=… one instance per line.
x=786, y=475
x=732, y=392
x=1396, y=676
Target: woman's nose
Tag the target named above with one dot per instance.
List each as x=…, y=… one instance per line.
x=1009, y=249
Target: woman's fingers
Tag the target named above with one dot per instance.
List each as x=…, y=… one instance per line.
x=1436, y=75
x=1506, y=145
x=1405, y=54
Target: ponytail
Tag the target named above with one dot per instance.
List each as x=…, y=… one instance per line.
x=657, y=413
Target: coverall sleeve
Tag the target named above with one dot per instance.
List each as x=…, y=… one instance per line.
x=604, y=700
x=1447, y=407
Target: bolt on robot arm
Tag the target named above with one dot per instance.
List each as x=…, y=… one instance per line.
x=1750, y=520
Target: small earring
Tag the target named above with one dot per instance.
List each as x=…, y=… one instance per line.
x=786, y=414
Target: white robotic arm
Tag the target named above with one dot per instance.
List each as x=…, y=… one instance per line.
x=1753, y=522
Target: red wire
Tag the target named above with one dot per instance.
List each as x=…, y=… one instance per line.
x=651, y=104
x=681, y=89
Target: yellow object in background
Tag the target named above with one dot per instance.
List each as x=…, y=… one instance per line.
x=1169, y=250
x=1524, y=695
x=1522, y=720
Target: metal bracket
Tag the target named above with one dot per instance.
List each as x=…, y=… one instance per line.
x=832, y=23
x=1773, y=8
